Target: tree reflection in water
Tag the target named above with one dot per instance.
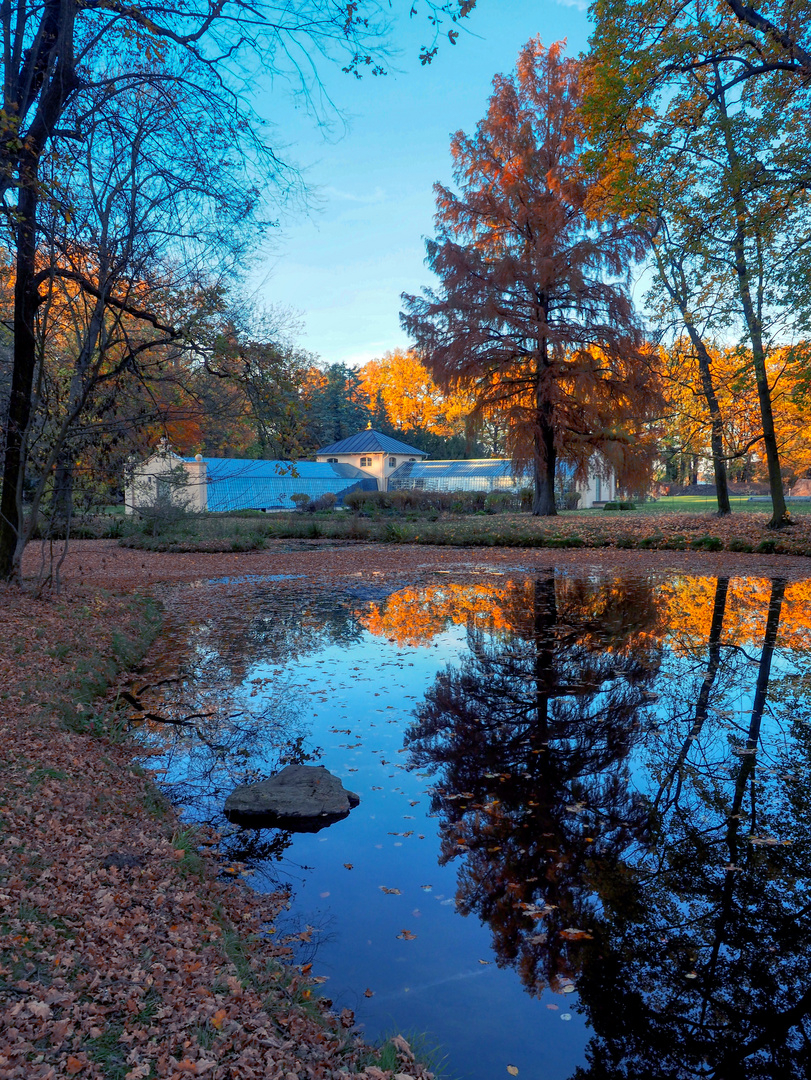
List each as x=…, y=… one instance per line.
x=660, y=860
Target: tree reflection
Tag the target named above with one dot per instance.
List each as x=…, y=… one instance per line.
x=714, y=964
x=662, y=865
x=530, y=737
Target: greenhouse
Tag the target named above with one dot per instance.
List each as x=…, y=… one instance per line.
x=476, y=474
x=227, y=484
x=244, y=484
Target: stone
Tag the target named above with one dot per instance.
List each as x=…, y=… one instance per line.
x=122, y=860
x=299, y=797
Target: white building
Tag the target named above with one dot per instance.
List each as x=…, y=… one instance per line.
x=366, y=461
x=377, y=454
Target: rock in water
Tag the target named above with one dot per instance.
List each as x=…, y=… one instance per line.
x=299, y=797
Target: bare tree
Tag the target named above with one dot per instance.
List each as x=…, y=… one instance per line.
x=62, y=59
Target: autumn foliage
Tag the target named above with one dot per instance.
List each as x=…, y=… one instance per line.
x=531, y=317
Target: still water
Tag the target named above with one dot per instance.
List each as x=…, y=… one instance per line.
x=583, y=845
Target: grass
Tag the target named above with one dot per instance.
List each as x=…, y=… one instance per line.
x=185, y=842
x=700, y=504
x=424, y=1048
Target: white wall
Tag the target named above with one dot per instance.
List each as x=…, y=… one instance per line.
x=380, y=469
x=156, y=478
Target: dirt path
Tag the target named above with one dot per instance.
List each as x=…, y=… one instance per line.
x=103, y=564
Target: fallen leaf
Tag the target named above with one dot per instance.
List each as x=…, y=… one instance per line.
x=512, y=1070
x=571, y=933
x=368, y=993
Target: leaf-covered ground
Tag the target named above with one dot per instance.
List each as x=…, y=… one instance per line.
x=124, y=952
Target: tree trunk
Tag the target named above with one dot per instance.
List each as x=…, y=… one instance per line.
x=752, y=316
x=543, y=439
x=719, y=466
x=26, y=301
x=543, y=505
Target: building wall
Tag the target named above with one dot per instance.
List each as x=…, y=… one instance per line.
x=158, y=478
x=381, y=466
x=597, y=489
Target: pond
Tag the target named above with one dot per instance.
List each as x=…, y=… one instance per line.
x=583, y=845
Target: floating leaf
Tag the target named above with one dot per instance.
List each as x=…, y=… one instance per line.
x=406, y=935
x=391, y=892
x=512, y=1070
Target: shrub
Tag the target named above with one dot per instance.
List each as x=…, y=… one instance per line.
x=326, y=501
x=707, y=543
x=766, y=547
x=165, y=518
x=497, y=502
x=736, y=544
x=300, y=500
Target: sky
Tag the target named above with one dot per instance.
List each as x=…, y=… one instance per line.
x=343, y=263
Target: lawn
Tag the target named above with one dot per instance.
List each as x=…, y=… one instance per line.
x=701, y=504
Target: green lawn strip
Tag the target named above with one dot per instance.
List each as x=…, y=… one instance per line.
x=680, y=523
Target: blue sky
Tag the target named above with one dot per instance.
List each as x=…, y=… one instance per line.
x=343, y=264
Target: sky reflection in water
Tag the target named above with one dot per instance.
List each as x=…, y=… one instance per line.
x=599, y=784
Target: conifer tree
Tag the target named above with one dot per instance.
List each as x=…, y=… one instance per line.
x=532, y=315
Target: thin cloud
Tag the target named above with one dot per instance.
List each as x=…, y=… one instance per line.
x=376, y=196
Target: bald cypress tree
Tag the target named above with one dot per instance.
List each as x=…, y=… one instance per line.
x=532, y=312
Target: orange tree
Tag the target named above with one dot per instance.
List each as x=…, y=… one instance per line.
x=532, y=317
x=403, y=387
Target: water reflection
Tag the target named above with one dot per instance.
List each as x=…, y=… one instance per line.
x=620, y=792
x=657, y=861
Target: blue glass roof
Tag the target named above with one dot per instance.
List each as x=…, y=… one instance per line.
x=472, y=467
x=247, y=484
x=245, y=468
x=370, y=442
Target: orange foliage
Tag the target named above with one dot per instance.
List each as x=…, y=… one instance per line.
x=678, y=613
x=409, y=395
x=688, y=607
x=414, y=616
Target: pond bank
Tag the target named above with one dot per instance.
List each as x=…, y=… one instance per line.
x=126, y=954
x=103, y=564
